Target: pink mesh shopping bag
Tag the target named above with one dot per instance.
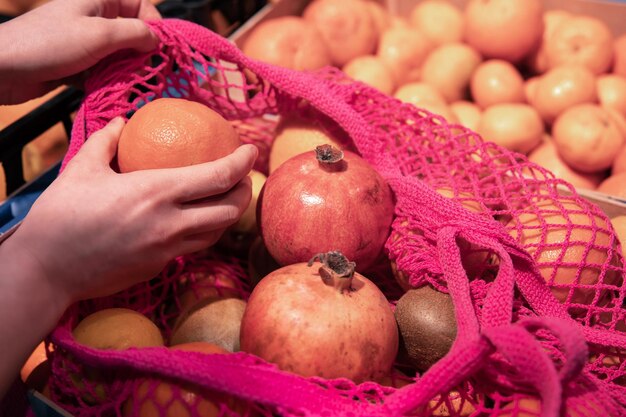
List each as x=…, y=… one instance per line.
x=535, y=272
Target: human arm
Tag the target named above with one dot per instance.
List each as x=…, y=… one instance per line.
x=39, y=50
x=94, y=232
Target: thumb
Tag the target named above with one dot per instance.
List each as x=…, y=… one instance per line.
x=101, y=147
x=131, y=33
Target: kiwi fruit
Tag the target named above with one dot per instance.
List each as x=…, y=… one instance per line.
x=427, y=326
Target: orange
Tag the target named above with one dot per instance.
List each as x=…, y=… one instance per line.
x=380, y=15
x=587, y=137
x=371, y=70
x=403, y=49
x=504, y=29
x=287, y=41
x=619, y=59
x=546, y=156
x=514, y=126
x=247, y=221
x=452, y=404
x=425, y=97
x=174, y=132
x=110, y=328
x=611, y=91
x=582, y=40
x=295, y=135
x=440, y=21
x=467, y=113
x=175, y=399
x=117, y=328
x=347, y=28
x=419, y=93
x=556, y=232
x=561, y=88
x=449, y=68
x=496, y=81
x=537, y=61
x=614, y=185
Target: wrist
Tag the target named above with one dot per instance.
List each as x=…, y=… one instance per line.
x=24, y=278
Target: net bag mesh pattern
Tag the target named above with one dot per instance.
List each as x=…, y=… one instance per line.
x=535, y=271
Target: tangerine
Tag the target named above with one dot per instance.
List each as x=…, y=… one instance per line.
x=504, y=29
x=174, y=132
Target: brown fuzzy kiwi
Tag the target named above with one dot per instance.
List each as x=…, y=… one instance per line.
x=427, y=326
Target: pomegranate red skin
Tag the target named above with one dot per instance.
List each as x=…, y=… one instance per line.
x=295, y=320
x=306, y=208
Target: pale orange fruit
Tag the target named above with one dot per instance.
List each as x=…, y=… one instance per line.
x=556, y=232
x=169, y=398
x=449, y=68
x=380, y=15
x=371, y=70
x=496, y=81
x=514, y=126
x=537, y=61
x=583, y=40
x=287, y=41
x=611, y=91
x=346, y=27
x=403, y=49
x=295, y=135
x=546, y=156
x=586, y=127
x=504, y=29
x=440, y=21
x=467, y=113
x=561, y=88
x=426, y=97
x=419, y=93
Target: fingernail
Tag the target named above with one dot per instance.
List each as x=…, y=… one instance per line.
x=117, y=120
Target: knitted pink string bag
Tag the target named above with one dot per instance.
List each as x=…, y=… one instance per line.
x=541, y=323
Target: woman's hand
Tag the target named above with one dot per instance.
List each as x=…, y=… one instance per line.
x=43, y=48
x=94, y=231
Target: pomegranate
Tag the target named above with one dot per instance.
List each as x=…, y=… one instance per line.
x=329, y=321
x=325, y=200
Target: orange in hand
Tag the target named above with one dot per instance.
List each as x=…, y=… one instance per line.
x=173, y=132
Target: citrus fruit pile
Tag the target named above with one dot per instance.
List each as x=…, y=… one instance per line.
x=547, y=83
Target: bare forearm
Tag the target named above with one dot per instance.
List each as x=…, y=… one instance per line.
x=29, y=308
